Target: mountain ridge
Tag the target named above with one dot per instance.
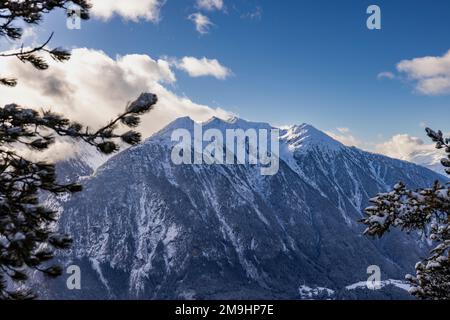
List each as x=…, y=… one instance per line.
x=146, y=228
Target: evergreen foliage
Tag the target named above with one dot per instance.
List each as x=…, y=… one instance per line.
x=28, y=237
x=426, y=210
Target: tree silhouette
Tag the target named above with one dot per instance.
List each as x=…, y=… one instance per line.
x=425, y=210
x=28, y=237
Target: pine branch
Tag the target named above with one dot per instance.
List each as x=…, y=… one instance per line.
x=426, y=210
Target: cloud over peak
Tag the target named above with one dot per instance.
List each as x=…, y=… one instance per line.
x=93, y=88
x=345, y=136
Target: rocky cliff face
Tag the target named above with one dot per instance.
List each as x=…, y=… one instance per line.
x=146, y=228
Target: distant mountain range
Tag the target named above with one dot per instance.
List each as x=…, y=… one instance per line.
x=429, y=159
x=148, y=229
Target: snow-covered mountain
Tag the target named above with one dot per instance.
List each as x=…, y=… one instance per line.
x=146, y=228
x=81, y=163
x=429, y=159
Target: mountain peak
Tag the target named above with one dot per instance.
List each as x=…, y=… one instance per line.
x=303, y=137
x=179, y=123
x=298, y=138
x=213, y=123
x=235, y=123
x=148, y=228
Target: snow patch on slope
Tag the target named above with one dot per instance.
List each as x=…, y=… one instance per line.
x=397, y=283
x=96, y=266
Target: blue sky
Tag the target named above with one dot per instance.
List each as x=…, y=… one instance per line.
x=295, y=61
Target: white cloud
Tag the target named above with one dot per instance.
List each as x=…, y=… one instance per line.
x=201, y=22
x=133, y=10
x=343, y=130
x=210, y=5
x=345, y=136
x=403, y=146
x=93, y=88
x=412, y=149
x=203, y=67
x=30, y=36
x=431, y=74
x=253, y=15
x=386, y=75
x=58, y=151
x=29, y=33
x=400, y=146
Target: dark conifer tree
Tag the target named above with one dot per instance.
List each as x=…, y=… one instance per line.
x=28, y=238
x=424, y=210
